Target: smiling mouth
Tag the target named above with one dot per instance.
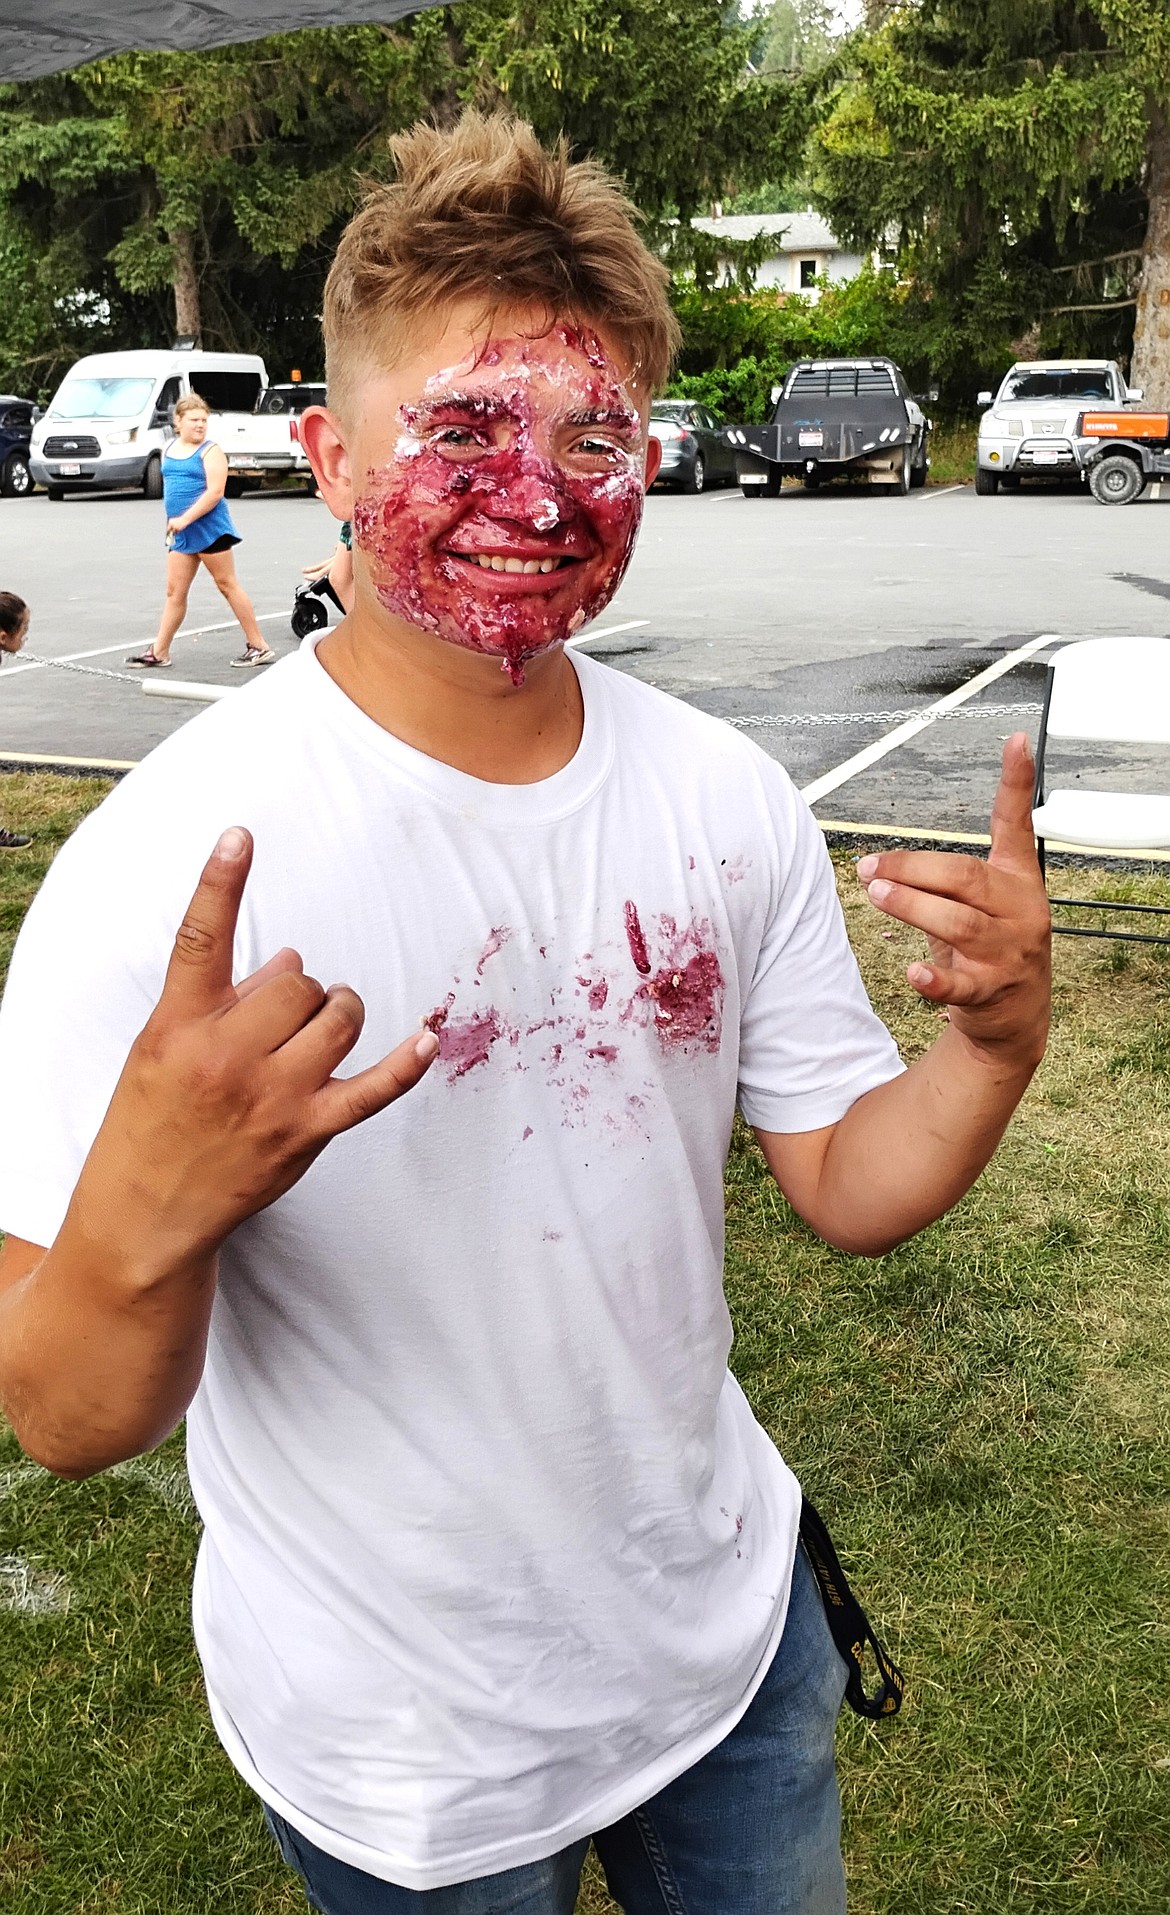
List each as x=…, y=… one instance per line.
x=528, y=568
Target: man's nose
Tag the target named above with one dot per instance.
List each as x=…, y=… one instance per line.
x=535, y=495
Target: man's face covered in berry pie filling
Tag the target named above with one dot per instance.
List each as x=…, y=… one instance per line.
x=504, y=513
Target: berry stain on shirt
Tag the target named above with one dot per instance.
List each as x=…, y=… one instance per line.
x=636, y=938
x=687, y=993
x=496, y=940
x=465, y=1042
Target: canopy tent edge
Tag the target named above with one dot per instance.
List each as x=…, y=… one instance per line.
x=38, y=37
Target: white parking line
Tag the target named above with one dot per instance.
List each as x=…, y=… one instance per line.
x=607, y=631
x=940, y=491
x=861, y=760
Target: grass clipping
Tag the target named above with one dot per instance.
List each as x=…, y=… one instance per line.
x=982, y=1416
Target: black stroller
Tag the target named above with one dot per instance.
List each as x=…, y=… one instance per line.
x=309, y=612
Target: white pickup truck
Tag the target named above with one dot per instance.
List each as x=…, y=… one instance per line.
x=265, y=443
x=1031, y=426
x=111, y=418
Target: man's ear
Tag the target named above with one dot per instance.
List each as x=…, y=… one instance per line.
x=653, y=459
x=323, y=437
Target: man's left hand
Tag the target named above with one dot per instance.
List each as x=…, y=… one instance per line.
x=987, y=923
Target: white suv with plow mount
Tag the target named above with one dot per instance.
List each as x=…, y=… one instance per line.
x=1032, y=425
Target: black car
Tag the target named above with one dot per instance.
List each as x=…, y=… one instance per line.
x=16, y=424
x=695, y=451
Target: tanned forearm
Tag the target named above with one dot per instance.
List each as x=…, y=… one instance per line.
x=907, y=1151
x=903, y=1154
x=100, y=1354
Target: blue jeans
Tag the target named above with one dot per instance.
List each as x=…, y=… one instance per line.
x=754, y=1828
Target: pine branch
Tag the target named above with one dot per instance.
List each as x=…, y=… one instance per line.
x=1106, y=306
x=1107, y=259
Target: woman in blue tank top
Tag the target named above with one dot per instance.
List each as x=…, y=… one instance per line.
x=199, y=532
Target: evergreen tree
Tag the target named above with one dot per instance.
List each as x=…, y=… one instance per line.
x=203, y=193
x=1019, y=150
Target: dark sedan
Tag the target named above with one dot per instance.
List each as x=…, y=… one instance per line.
x=695, y=453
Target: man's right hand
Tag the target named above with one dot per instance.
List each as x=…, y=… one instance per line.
x=229, y=1092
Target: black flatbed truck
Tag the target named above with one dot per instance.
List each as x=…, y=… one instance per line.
x=852, y=419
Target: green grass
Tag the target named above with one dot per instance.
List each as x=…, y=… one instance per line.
x=983, y=1416
x=952, y=453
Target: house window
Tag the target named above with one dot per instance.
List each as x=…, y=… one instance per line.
x=808, y=273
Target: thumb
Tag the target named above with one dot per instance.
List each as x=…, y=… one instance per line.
x=1013, y=842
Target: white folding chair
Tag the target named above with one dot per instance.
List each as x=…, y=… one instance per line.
x=1117, y=691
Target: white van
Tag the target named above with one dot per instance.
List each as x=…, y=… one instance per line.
x=110, y=417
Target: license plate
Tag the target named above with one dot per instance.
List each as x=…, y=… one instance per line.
x=69, y=471
x=1046, y=455
x=243, y=459
x=810, y=438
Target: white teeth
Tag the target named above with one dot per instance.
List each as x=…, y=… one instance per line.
x=494, y=563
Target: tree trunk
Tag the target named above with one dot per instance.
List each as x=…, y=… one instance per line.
x=1151, y=334
x=188, y=322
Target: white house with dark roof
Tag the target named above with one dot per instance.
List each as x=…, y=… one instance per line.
x=803, y=249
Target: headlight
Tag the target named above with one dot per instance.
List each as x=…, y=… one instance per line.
x=1016, y=428
x=122, y=438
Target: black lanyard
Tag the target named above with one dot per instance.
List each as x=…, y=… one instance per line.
x=848, y=1623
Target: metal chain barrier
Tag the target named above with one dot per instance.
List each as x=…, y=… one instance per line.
x=795, y=721
x=87, y=671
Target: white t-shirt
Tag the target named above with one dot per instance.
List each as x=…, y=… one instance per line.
x=494, y=1548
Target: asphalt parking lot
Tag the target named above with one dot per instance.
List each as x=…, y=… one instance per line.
x=762, y=611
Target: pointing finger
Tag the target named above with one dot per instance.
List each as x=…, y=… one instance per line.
x=946, y=874
x=346, y=1101
x=943, y=918
x=199, y=975
x=1013, y=841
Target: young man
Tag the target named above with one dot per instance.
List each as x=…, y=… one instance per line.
x=495, y=1556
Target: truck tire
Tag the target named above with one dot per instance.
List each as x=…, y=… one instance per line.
x=902, y=475
x=919, y=469
x=152, y=486
x=986, y=483
x=811, y=481
x=1116, y=480
x=233, y=488
x=56, y=493
x=16, y=481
